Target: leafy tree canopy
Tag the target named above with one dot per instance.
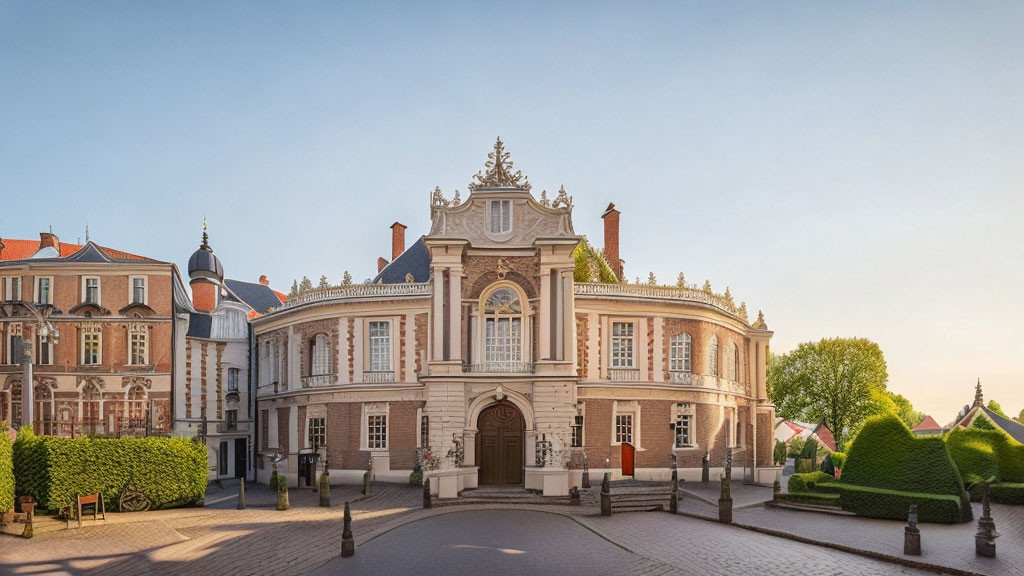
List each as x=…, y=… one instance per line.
x=995, y=407
x=840, y=380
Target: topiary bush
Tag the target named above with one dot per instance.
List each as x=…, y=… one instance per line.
x=796, y=445
x=779, y=454
x=982, y=423
x=885, y=455
x=810, y=449
x=981, y=454
x=804, y=465
x=168, y=471
x=808, y=482
x=838, y=459
x=6, y=471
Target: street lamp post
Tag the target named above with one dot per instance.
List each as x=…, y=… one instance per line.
x=47, y=333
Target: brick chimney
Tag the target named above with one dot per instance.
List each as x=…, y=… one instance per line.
x=381, y=263
x=397, y=240
x=264, y=280
x=49, y=239
x=611, y=239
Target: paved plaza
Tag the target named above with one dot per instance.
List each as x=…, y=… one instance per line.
x=394, y=534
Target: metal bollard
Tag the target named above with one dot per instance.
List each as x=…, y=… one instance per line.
x=241, y=494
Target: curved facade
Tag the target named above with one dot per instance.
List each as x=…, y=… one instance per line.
x=510, y=370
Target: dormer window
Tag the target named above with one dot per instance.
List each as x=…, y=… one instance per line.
x=500, y=216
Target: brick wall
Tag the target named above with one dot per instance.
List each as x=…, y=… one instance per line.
x=402, y=428
x=701, y=332
x=343, y=430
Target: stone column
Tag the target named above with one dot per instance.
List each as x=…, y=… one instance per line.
x=455, y=312
x=437, y=316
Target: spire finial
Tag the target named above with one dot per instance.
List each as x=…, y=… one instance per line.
x=206, y=239
x=86, y=232
x=979, y=398
x=498, y=172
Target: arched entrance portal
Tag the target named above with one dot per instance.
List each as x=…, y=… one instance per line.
x=500, y=444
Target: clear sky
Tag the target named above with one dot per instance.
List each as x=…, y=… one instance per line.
x=853, y=169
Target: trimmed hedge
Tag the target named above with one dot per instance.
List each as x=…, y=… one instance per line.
x=895, y=504
x=815, y=498
x=6, y=471
x=168, y=471
x=809, y=481
x=981, y=454
x=886, y=455
x=1007, y=493
x=803, y=465
x=838, y=459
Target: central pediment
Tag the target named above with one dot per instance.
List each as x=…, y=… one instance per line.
x=500, y=211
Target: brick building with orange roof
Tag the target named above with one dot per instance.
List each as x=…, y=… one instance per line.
x=97, y=325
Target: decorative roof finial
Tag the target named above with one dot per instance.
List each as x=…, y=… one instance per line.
x=498, y=171
x=760, y=323
x=979, y=398
x=206, y=239
x=86, y=232
x=563, y=200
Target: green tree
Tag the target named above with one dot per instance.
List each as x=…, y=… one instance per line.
x=324, y=284
x=1020, y=417
x=905, y=410
x=839, y=380
x=306, y=285
x=346, y=279
x=294, y=292
x=995, y=407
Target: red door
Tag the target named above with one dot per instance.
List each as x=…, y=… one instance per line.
x=628, y=451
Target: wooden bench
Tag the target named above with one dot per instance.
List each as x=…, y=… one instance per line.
x=94, y=500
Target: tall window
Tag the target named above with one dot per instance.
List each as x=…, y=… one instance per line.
x=138, y=342
x=43, y=292
x=684, y=425
x=44, y=351
x=424, y=430
x=92, y=290
x=13, y=288
x=577, y=431
x=138, y=290
x=233, y=379
x=319, y=360
x=90, y=397
x=377, y=431
x=624, y=428
x=680, y=347
x=44, y=409
x=317, y=432
x=231, y=419
x=622, y=344
x=380, y=346
x=501, y=216
x=222, y=464
x=91, y=346
x=734, y=363
x=136, y=404
x=713, y=356
x=503, y=328
x=14, y=348
x=15, y=396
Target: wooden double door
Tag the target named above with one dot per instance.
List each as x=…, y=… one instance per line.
x=500, y=444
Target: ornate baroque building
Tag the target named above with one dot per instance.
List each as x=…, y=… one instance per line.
x=510, y=347
x=96, y=326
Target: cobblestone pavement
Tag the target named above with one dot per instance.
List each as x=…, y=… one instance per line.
x=941, y=544
x=261, y=540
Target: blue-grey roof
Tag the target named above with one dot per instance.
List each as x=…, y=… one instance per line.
x=1009, y=426
x=199, y=325
x=415, y=260
x=255, y=295
x=203, y=260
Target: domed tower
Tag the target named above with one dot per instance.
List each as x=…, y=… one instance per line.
x=206, y=275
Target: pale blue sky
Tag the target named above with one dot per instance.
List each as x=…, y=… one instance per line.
x=854, y=169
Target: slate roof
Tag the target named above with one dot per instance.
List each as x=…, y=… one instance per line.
x=1011, y=427
x=255, y=295
x=415, y=260
x=199, y=325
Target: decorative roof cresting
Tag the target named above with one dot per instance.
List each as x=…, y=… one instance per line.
x=498, y=172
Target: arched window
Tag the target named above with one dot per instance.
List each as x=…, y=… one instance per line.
x=14, y=398
x=503, y=329
x=713, y=356
x=91, y=418
x=680, y=348
x=136, y=404
x=319, y=362
x=734, y=363
x=44, y=409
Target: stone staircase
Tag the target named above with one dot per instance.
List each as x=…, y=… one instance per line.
x=501, y=495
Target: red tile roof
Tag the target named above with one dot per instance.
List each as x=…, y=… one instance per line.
x=928, y=423
x=825, y=436
x=17, y=249
x=281, y=296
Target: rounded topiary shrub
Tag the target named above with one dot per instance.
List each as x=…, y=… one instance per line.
x=6, y=471
x=797, y=483
x=976, y=453
x=838, y=459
